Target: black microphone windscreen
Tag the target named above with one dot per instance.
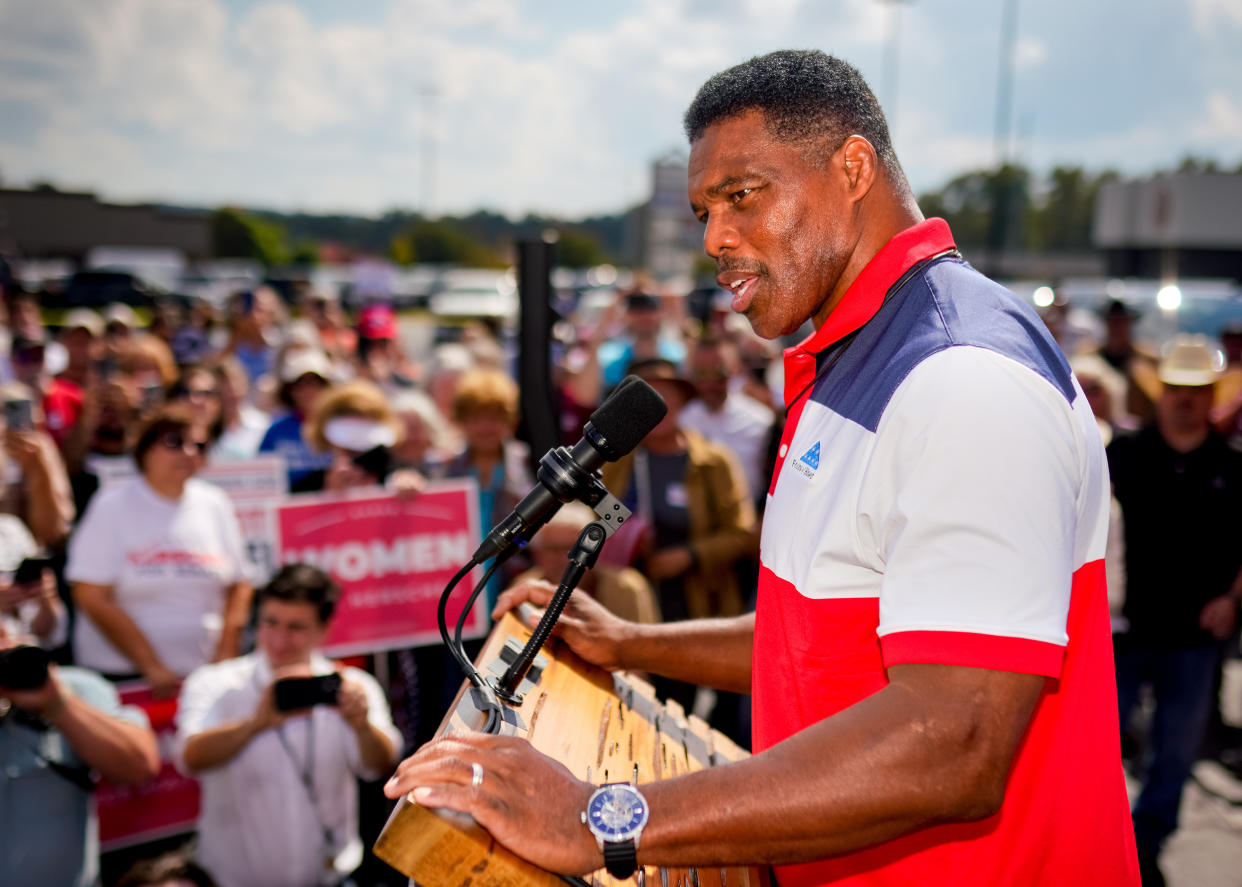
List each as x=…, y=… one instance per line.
x=625, y=418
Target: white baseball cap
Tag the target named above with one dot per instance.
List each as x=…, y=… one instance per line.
x=305, y=361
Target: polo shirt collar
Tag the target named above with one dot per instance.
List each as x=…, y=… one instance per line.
x=865, y=296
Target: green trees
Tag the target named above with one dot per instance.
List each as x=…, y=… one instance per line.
x=1008, y=208
x=239, y=235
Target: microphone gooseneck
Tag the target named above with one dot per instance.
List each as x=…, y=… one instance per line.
x=565, y=474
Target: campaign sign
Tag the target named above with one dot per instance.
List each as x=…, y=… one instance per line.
x=261, y=477
x=166, y=806
x=393, y=557
x=255, y=486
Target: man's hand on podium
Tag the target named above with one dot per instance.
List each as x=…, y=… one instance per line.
x=590, y=630
x=528, y=802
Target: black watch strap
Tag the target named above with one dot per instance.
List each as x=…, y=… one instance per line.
x=621, y=858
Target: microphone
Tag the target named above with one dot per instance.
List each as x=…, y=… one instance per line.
x=616, y=428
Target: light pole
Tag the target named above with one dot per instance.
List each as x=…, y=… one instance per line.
x=427, y=100
x=1004, y=83
x=1004, y=199
x=890, y=65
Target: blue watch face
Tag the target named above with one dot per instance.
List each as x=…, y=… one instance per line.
x=616, y=812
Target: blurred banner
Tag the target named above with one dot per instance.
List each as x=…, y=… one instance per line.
x=393, y=556
x=166, y=806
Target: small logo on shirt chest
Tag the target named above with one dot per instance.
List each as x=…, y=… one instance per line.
x=808, y=462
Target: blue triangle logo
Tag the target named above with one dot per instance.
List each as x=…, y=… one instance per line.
x=811, y=456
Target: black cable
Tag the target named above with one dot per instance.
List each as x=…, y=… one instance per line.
x=465, y=611
x=442, y=620
x=489, y=702
x=485, y=698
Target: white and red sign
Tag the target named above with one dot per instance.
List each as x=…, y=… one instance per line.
x=393, y=556
x=166, y=806
x=256, y=486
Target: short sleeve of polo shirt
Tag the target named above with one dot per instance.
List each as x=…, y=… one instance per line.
x=975, y=480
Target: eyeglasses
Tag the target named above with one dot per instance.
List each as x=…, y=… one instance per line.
x=175, y=440
x=201, y=393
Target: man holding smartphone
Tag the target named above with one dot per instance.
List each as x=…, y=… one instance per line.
x=279, y=796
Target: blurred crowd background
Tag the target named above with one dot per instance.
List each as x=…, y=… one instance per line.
x=174, y=384
x=393, y=346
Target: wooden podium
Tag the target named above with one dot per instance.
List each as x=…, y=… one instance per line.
x=604, y=727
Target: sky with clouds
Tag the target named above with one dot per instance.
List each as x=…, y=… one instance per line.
x=559, y=106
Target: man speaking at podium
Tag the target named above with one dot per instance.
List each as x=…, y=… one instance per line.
x=930, y=659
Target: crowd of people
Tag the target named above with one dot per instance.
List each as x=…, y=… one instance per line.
x=148, y=577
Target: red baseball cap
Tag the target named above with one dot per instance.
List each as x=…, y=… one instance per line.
x=377, y=322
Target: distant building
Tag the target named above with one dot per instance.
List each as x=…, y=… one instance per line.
x=45, y=223
x=1171, y=226
x=672, y=237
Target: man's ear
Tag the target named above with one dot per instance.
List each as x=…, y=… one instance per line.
x=860, y=165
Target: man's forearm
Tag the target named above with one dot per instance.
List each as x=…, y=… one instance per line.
x=121, y=752
x=219, y=745
x=712, y=652
x=375, y=749
x=50, y=510
x=901, y=760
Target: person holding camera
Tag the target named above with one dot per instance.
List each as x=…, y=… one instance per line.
x=29, y=599
x=35, y=484
x=57, y=726
x=276, y=739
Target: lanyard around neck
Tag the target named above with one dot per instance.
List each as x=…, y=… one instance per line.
x=306, y=773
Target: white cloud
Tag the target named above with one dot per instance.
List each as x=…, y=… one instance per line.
x=1208, y=15
x=1222, y=119
x=273, y=105
x=1029, y=52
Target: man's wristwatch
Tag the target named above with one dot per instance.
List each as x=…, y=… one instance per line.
x=616, y=815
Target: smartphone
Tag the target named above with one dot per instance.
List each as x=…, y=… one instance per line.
x=105, y=368
x=23, y=668
x=376, y=462
x=19, y=414
x=293, y=694
x=30, y=570
x=152, y=396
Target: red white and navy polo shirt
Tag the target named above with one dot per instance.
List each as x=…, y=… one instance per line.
x=942, y=496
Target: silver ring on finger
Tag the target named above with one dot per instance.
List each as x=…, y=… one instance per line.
x=476, y=774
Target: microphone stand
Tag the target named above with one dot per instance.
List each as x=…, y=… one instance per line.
x=582, y=557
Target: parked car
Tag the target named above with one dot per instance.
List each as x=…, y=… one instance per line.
x=101, y=287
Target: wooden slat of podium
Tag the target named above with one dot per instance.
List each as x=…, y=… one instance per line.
x=604, y=728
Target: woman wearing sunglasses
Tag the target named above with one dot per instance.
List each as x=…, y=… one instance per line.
x=157, y=563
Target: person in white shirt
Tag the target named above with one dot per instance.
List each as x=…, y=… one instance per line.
x=158, y=566
x=279, y=796
x=726, y=417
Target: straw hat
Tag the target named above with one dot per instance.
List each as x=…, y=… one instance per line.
x=1190, y=360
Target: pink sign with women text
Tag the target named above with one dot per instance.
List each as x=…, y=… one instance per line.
x=393, y=556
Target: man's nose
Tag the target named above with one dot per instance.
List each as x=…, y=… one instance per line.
x=719, y=236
